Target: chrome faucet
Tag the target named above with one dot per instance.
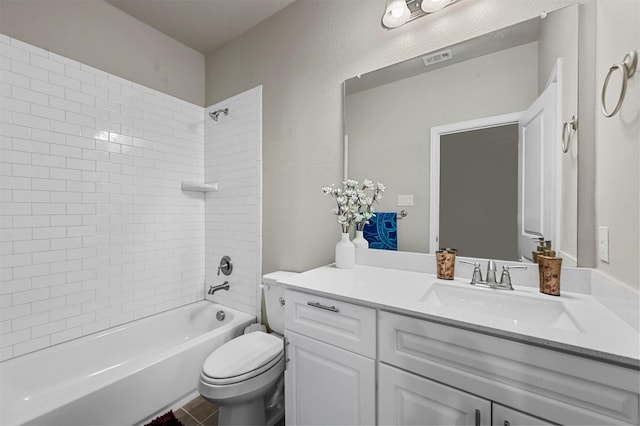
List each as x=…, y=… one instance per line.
x=491, y=274
x=214, y=288
x=505, y=278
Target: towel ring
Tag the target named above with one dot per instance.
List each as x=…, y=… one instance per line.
x=568, y=128
x=627, y=69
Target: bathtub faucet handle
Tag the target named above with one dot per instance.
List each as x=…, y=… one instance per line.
x=226, y=267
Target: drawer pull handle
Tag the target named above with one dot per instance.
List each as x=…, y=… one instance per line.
x=325, y=307
x=477, y=417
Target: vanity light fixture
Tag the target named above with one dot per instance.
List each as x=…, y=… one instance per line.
x=399, y=12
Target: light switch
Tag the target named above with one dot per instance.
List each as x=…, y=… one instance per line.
x=405, y=200
x=603, y=243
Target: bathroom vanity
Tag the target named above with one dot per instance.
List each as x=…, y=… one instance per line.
x=373, y=345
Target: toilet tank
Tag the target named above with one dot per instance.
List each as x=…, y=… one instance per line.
x=274, y=299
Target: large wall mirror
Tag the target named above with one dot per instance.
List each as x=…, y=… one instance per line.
x=473, y=133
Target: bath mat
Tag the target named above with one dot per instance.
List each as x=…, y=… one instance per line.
x=167, y=419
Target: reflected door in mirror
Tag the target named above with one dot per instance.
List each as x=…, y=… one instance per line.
x=537, y=177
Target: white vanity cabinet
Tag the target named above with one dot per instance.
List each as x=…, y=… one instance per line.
x=330, y=370
x=466, y=369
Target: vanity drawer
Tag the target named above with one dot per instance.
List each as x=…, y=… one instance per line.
x=341, y=324
x=560, y=387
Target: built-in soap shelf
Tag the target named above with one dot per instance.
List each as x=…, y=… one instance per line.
x=201, y=187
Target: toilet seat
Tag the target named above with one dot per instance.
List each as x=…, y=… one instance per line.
x=242, y=358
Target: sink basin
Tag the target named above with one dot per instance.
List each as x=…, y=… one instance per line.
x=501, y=306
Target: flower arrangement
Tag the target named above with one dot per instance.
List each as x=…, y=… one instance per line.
x=366, y=210
x=354, y=202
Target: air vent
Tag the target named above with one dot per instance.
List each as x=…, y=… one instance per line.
x=443, y=55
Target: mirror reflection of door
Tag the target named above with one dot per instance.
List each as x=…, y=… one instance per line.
x=479, y=192
x=538, y=148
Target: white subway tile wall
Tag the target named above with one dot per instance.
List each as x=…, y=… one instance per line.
x=233, y=158
x=94, y=229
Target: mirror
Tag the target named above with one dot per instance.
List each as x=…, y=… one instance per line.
x=465, y=145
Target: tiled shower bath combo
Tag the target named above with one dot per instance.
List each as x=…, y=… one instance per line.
x=95, y=231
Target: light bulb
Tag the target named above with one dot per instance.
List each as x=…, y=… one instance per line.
x=396, y=14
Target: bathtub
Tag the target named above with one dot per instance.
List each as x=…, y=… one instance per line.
x=121, y=376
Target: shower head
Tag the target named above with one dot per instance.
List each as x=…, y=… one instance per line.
x=215, y=114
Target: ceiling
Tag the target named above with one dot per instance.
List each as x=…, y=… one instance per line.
x=203, y=25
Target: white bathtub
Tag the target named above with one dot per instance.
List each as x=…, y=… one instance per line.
x=118, y=377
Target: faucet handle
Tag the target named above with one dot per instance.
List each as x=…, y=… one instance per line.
x=476, y=278
x=225, y=265
x=505, y=278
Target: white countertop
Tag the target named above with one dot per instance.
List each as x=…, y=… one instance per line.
x=601, y=335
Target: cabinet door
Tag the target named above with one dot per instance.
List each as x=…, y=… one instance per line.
x=503, y=416
x=408, y=399
x=325, y=385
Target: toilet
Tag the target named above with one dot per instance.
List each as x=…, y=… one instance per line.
x=244, y=377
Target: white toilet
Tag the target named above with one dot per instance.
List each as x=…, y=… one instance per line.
x=244, y=377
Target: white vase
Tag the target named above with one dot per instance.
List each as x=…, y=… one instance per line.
x=359, y=241
x=345, y=252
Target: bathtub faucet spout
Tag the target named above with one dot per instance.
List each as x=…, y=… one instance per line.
x=214, y=288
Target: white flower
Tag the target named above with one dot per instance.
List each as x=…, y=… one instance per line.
x=354, y=203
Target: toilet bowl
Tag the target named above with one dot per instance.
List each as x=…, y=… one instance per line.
x=244, y=377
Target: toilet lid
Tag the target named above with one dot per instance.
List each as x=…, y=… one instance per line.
x=242, y=355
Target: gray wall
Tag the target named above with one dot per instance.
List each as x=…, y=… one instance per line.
x=479, y=192
x=618, y=142
x=97, y=34
x=301, y=56
x=304, y=53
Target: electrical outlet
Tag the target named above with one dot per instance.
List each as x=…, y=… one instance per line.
x=603, y=243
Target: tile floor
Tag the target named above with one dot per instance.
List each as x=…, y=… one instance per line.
x=200, y=412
